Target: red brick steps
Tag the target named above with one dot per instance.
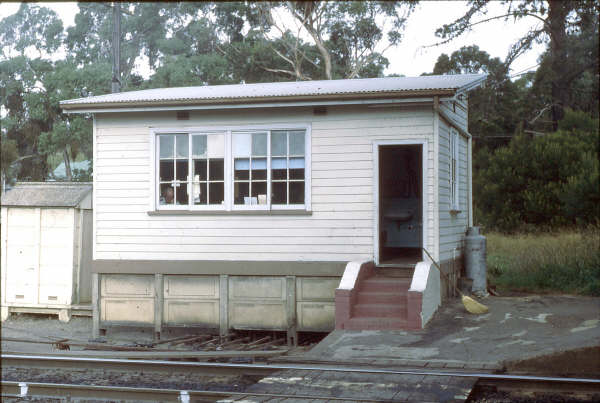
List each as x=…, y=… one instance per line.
x=381, y=302
x=376, y=324
x=374, y=297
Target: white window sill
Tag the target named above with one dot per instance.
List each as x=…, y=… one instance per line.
x=229, y=213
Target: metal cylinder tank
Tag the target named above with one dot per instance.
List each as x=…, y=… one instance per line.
x=475, y=264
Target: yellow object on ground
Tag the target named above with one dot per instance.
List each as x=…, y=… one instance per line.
x=469, y=303
x=473, y=306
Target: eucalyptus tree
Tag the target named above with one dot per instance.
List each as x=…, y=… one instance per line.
x=570, y=27
x=33, y=82
x=349, y=38
x=143, y=26
x=28, y=37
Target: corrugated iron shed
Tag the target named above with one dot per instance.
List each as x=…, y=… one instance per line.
x=388, y=86
x=46, y=194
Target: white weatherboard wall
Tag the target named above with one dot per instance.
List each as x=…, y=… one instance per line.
x=452, y=226
x=340, y=227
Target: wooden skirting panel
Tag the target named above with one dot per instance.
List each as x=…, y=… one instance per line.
x=285, y=303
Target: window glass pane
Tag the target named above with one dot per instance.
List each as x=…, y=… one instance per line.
x=297, y=143
x=217, y=192
x=259, y=190
x=296, y=173
x=279, y=193
x=296, y=162
x=241, y=191
x=259, y=144
x=297, y=192
x=278, y=168
x=199, y=193
x=181, y=194
x=296, y=168
x=181, y=141
x=199, y=146
x=241, y=144
x=216, y=146
x=241, y=169
x=278, y=143
x=167, y=142
x=167, y=195
x=216, y=170
x=166, y=170
x=259, y=168
x=199, y=170
x=182, y=170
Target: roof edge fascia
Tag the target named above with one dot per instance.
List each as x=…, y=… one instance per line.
x=271, y=102
x=472, y=85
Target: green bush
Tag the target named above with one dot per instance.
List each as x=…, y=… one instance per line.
x=543, y=182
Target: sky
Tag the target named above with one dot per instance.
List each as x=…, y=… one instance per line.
x=413, y=56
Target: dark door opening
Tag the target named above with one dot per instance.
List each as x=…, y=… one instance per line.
x=400, y=204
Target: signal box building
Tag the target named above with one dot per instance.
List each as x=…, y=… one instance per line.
x=294, y=206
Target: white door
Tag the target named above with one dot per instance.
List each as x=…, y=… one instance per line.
x=56, y=256
x=22, y=255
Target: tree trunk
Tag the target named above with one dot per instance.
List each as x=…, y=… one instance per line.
x=116, y=44
x=67, y=161
x=557, y=15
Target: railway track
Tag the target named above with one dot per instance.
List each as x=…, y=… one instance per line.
x=13, y=389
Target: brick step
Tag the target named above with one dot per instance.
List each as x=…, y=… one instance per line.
x=360, y=323
x=385, y=284
x=395, y=272
x=379, y=310
x=379, y=297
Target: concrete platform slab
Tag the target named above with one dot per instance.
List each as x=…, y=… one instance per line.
x=514, y=329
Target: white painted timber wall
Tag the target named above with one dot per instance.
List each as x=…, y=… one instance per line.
x=452, y=226
x=340, y=227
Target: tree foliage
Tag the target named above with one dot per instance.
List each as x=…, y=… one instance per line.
x=542, y=181
x=570, y=27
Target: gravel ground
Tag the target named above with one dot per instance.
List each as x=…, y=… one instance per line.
x=48, y=328
x=179, y=381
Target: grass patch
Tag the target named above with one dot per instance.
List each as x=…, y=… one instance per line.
x=566, y=262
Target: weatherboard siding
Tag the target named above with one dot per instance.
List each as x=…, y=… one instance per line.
x=452, y=227
x=340, y=227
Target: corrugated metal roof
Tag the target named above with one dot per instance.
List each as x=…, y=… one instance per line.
x=46, y=194
x=287, y=90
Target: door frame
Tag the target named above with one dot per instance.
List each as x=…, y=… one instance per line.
x=377, y=144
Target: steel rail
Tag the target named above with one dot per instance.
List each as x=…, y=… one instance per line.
x=265, y=369
x=56, y=390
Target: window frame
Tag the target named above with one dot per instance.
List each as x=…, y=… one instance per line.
x=228, y=205
x=454, y=169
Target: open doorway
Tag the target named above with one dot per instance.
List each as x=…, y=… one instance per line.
x=400, y=204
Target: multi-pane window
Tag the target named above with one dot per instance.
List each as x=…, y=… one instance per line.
x=196, y=177
x=287, y=164
x=453, y=169
x=173, y=168
x=249, y=169
x=208, y=169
